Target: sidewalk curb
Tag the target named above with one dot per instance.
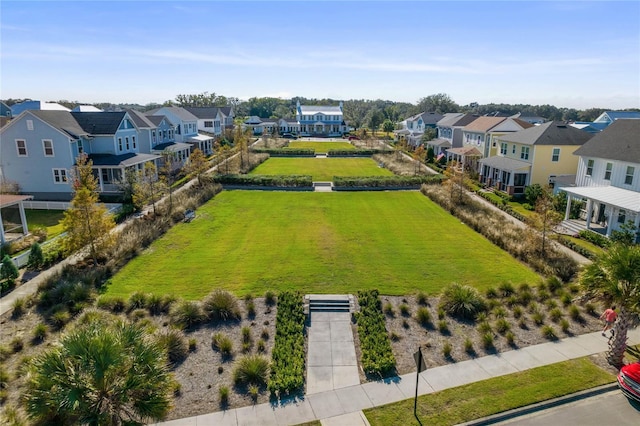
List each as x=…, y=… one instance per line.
x=551, y=403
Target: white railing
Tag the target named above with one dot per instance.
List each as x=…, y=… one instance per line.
x=61, y=205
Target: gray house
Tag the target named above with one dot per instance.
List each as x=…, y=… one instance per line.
x=186, y=128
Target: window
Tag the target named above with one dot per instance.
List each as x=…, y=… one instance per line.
x=80, y=146
x=21, y=145
x=208, y=124
x=628, y=179
x=607, y=172
x=59, y=175
x=513, y=149
x=478, y=140
x=47, y=145
x=126, y=142
x=622, y=216
x=29, y=124
x=524, y=153
x=133, y=140
x=503, y=148
x=589, y=167
x=119, y=144
x=555, y=156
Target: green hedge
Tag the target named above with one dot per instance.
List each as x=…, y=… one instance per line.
x=575, y=247
x=384, y=181
x=279, y=181
x=356, y=152
x=377, y=356
x=493, y=199
x=285, y=152
x=288, y=356
x=594, y=238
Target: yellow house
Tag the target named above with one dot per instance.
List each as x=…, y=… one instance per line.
x=535, y=155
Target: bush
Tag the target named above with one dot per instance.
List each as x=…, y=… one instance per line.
x=506, y=289
x=555, y=314
x=446, y=350
x=281, y=181
x=594, y=238
x=502, y=326
x=270, y=298
x=261, y=346
x=251, y=369
x=223, y=392
x=404, y=310
x=186, y=314
x=175, y=345
x=491, y=293
x=16, y=344
x=377, y=356
x=137, y=300
x=36, y=256
x=157, y=304
x=246, y=335
x=251, y=309
x=548, y=332
x=114, y=304
x=468, y=346
x=590, y=309
x=9, y=270
x=422, y=299
x=511, y=338
x=517, y=311
x=484, y=327
x=388, y=309
x=221, y=305
x=443, y=327
x=487, y=340
x=222, y=343
x=574, y=313
x=564, y=325
x=19, y=307
x=40, y=332
x=423, y=317
x=499, y=312
x=462, y=301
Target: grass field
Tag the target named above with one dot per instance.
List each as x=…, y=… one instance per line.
x=493, y=396
x=322, y=169
x=49, y=219
x=251, y=241
x=321, y=147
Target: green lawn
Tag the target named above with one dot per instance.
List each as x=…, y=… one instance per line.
x=322, y=169
x=251, y=241
x=49, y=219
x=321, y=147
x=481, y=399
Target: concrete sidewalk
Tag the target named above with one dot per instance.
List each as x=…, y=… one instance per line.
x=343, y=406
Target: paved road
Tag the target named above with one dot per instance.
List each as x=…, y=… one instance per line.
x=611, y=408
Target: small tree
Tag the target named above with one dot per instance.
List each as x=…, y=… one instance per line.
x=9, y=271
x=36, y=257
x=197, y=164
x=167, y=174
x=546, y=218
x=147, y=188
x=86, y=222
x=532, y=192
x=419, y=154
x=388, y=126
x=241, y=141
x=429, y=134
x=430, y=155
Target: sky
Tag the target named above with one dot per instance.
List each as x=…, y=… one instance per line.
x=575, y=54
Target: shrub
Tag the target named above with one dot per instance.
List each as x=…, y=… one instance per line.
x=186, y=314
x=251, y=309
x=137, y=300
x=5, y=353
x=251, y=369
x=9, y=270
x=543, y=295
x=159, y=304
x=175, y=345
x=482, y=317
x=404, y=310
x=487, y=340
x=468, y=346
x=60, y=318
x=423, y=316
x=517, y=312
x=555, y=314
x=491, y=293
x=443, y=327
x=18, y=307
x=484, y=327
x=421, y=299
x=554, y=284
x=377, y=356
x=246, y=334
x=254, y=391
x=40, y=332
x=394, y=336
x=111, y=303
x=265, y=333
x=590, y=309
x=511, y=338
x=441, y=313
x=462, y=301
x=221, y=305
x=16, y=344
x=222, y=343
x=574, y=313
x=512, y=300
x=223, y=392
x=566, y=299
x=388, y=309
x=261, y=346
x=548, y=332
x=138, y=314
x=564, y=325
x=506, y=289
x=522, y=323
x=446, y=350
x=270, y=298
x=36, y=257
x=499, y=312
x=4, y=377
x=193, y=345
x=538, y=318
x=502, y=326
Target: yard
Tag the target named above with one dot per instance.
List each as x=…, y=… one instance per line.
x=250, y=241
x=321, y=147
x=322, y=169
x=48, y=219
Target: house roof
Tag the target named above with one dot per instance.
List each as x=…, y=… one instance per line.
x=62, y=120
x=616, y=115
x=157, y=119
x=439, y=142
x=322, y=109
x=140, y=119
x=172, y=146
x=620, y=141
x=204, y=112
x=123, y=160
x=469, y=151
x=427, y=117
x=612, y=195
x=99, y=123
x=449, y=118
x=179, y=112
x=483, y=124
x=551, y=133
x=200, y=138
x=7, y=200
x=86, y=108
x=505, y=163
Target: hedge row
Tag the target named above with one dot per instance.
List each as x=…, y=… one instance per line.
x=594, y=238
x=501, y=205
x=575, y=247
x=285, y=152
x=281, y=181
x=385, y=181
x=356, y=152
x=287, y=358
x=377, y=356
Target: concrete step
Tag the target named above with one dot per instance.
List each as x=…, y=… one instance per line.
x=329, y=303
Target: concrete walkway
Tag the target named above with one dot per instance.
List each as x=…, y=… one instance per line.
x=343, y=406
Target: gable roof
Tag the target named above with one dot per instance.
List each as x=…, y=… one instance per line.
x=483, y=124
x=99, y=123
x=141, y=120
x=449, y=118
x=179, y=112
x=86, y=108
x=204, y=112
x=322, y=109
x=620, y=141
x=551, y=133
x=63, y=121
x=616, y=115
x=157, y=119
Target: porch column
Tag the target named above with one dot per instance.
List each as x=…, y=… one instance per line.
x=636, y=223
x=589, y=212
x=23, y=218
x=567, y=211
x=2, y=240
x=100, y=183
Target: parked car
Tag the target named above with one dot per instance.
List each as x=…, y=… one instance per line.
x=354, y=138
x=629, y=381
x=289, y=136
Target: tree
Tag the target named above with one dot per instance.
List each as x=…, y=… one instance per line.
x=36, y=257
x=429, y=134
x=419, y=155
x=241, y=141
x=532, y=192
x=614, y=278
x=148, y=189
x=375, y=118
x=167, y=174
x=440, y=103
x=86, y=222
x=388, y=126
x=546, y=217
x=100, y=374
x=430, y=155
x=9, y=270
x=400, y=146
x=197, y=164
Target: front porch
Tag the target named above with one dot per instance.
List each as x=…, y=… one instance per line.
x=505, y=174
x=574, y=226
x=111, y=170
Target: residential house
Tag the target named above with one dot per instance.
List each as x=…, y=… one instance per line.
x=320, y=120
x=5, y=110
x=213, y=120
x=608, y=177
x=17, y=109
x=86, y=108
x=533, y=119
x=261, y=126
x=186, y=128
x=449, y=132
x=604, y=120
x=414, y=127
x=39, y=148
x=536, y=155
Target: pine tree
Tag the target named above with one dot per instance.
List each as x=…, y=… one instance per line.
x=9, y=270
x=36, y=257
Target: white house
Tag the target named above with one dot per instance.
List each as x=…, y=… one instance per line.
x=320, y=120
x=186, y=128
x=414, y=127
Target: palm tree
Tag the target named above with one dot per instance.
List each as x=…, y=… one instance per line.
x=614, y=278
x=100, y=375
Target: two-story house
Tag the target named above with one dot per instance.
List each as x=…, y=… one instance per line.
x=413, y=128
x=213, y=120
x=449, y=132
x=17, y=109
x=604, y=120
x=536, y=155
x=39, y=148
x=186, y=128
x=608, y=177
x=320, y=120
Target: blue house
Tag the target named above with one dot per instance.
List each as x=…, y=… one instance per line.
x=604, y=120
x=318, y=120
x=186, y=128
x=39, y=148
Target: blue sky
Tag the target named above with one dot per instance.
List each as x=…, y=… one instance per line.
x=572, y=54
